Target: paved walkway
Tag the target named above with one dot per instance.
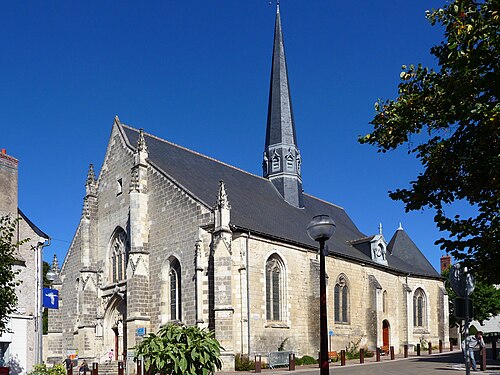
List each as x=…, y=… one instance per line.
x=436, y=364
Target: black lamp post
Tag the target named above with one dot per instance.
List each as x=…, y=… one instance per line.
x=320, y=229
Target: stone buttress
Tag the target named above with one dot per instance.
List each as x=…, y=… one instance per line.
x=88, y=279
x=138, y=291
x=223, y=318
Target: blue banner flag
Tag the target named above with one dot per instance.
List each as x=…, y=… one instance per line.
x=50, y=298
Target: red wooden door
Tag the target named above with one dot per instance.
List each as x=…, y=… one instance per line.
x=385, y=335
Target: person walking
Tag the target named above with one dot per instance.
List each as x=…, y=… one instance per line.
x=474, y=342
x=68, y=364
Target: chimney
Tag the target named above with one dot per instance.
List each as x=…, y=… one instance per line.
x=445, y=262
x=8, y=184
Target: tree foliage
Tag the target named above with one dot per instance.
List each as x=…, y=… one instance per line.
x=180, y=350
x=8, y=282
x=452, y=114
x=485, y=301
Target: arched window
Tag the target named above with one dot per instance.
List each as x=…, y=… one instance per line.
x=118, y=254
x=274, y=288
x=341, y=300
x=419, y=308
x=384, y=301
x=174, y=278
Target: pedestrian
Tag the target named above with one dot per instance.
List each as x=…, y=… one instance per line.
x=111, y=355
x=474, y=342
x=68, y=364
x=84, y=367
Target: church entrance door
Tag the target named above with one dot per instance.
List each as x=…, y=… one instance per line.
x=114, y=331
x=385, y=335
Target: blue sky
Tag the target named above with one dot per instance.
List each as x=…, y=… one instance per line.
x=197, y=73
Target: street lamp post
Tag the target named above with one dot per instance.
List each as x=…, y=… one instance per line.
x=320, y=229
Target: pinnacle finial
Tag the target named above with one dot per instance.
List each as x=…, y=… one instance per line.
x=91, y=175
x=141, y=142
x=55, y=265
x=380, y=228
x=117, y=120
x=400, y=226
x=222, y=201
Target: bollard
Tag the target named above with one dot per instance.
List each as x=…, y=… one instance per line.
x=342, y=357
x=120, y=367
x=391, y=349
x=483, y=359
x=440, y=346
x=95, y=368
x=139, y=366
x=494, y=349
x=451, y=346
x=291, y=362
x=361, y=355
x=378, y=355
x=430, y=348
x=418, y=350
x=406, y=350
x=258, y=363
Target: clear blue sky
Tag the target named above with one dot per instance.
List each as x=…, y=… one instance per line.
x=197, y=73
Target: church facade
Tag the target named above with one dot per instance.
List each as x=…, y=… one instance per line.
x=170, y=235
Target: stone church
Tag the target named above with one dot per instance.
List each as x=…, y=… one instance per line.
x=170, y=235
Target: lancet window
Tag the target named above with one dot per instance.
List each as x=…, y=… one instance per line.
x=174, y=278
x=419, y=308
x=118, y=257
x=341, y=300
x=275, y=280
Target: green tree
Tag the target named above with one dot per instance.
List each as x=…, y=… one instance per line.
x=180, y=350
x=449, y=117
x=8, y=282
x=485, y=301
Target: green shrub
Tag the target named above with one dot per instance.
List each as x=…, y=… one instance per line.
x=243, y=363
x=180, y=350
x=369, y=353
x=44, y=370
x=305, y=360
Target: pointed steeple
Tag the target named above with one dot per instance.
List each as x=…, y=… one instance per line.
x=281, y=156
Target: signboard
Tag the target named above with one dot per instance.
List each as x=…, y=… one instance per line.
x=459, y=308
x=50, y=298
x=141, y=331
x=330, y=333
x=73, y=355
x=461, y=282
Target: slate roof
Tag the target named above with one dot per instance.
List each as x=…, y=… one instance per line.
x=256, y=205
x=37, y=230
x=402, y=247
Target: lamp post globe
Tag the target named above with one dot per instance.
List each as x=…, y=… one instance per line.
x=320, y=229
x=50, y=275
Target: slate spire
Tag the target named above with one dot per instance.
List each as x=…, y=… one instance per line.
x=282, y=159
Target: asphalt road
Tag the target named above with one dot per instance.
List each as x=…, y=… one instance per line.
x=441, y=364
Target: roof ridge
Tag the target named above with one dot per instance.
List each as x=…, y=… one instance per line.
x=195, y=152
x=322, y=200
